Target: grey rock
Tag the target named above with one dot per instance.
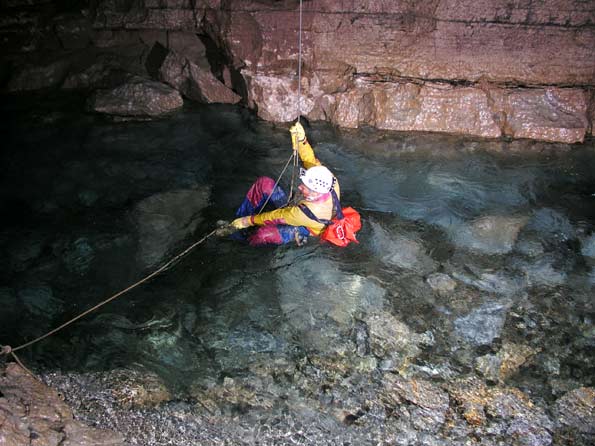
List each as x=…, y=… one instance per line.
x=401, y=250
x=78, y=256
x=482, y=324
x=492, y=234
x=576, y=409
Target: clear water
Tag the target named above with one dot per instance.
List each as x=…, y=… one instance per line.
x=510, y=223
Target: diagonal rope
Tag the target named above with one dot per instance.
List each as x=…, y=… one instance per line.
x=7, y=349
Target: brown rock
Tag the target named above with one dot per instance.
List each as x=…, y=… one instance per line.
x=549, y=114
x=33, y=414
x=138, y=98
x=191, y=80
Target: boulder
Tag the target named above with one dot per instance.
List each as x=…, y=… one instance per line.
x=187, y=77
x=37, y=77
x=165, y=219
x=401, y=250
x=321, y=302
x=491, y=234
x=33, y=414
x=136, y=99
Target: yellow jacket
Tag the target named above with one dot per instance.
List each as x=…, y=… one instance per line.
x=293, y=215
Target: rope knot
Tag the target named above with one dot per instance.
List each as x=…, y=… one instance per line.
x=6, y=349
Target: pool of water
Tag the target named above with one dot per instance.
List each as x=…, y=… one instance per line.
x=468, y=246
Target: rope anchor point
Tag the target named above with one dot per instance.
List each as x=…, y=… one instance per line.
x=6, y=350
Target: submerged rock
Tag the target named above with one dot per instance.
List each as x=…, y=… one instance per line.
x=401, y=250
x=441, y=283
x=392, y=341
x=493, y=234
x=430, y=401
x=482, y=325
x=321, y=302
x=165, y=219
x=588, y=246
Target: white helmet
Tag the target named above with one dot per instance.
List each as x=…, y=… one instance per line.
x=317, y=178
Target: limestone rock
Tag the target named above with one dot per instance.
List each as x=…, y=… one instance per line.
x=392, y=340
x=139, y=98
x=33, y=414
x=187, y=77
x=73, y=31
x=550, y=114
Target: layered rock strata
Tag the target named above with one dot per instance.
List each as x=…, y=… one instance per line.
x=482, y=68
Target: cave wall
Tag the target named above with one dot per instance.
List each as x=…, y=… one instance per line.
x=487, y=68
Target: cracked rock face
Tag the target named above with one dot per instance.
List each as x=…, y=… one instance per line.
x=481, y=68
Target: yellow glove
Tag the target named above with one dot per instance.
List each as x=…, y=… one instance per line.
x=242, y=222
x=297, y=131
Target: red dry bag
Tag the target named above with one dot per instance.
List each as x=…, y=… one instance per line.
x=341, y=229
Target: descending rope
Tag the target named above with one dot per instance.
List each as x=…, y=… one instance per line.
x=299, y=109
x=294, y=156
x=299, y=98
x=9, y=350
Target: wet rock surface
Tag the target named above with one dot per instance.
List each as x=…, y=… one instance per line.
x=137, y=99
x=413, y=336
x=485, y=69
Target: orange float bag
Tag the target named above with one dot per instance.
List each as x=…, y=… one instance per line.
x=342, y=228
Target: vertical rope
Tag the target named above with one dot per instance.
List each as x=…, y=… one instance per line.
x=299, y=99
x=299, y=109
